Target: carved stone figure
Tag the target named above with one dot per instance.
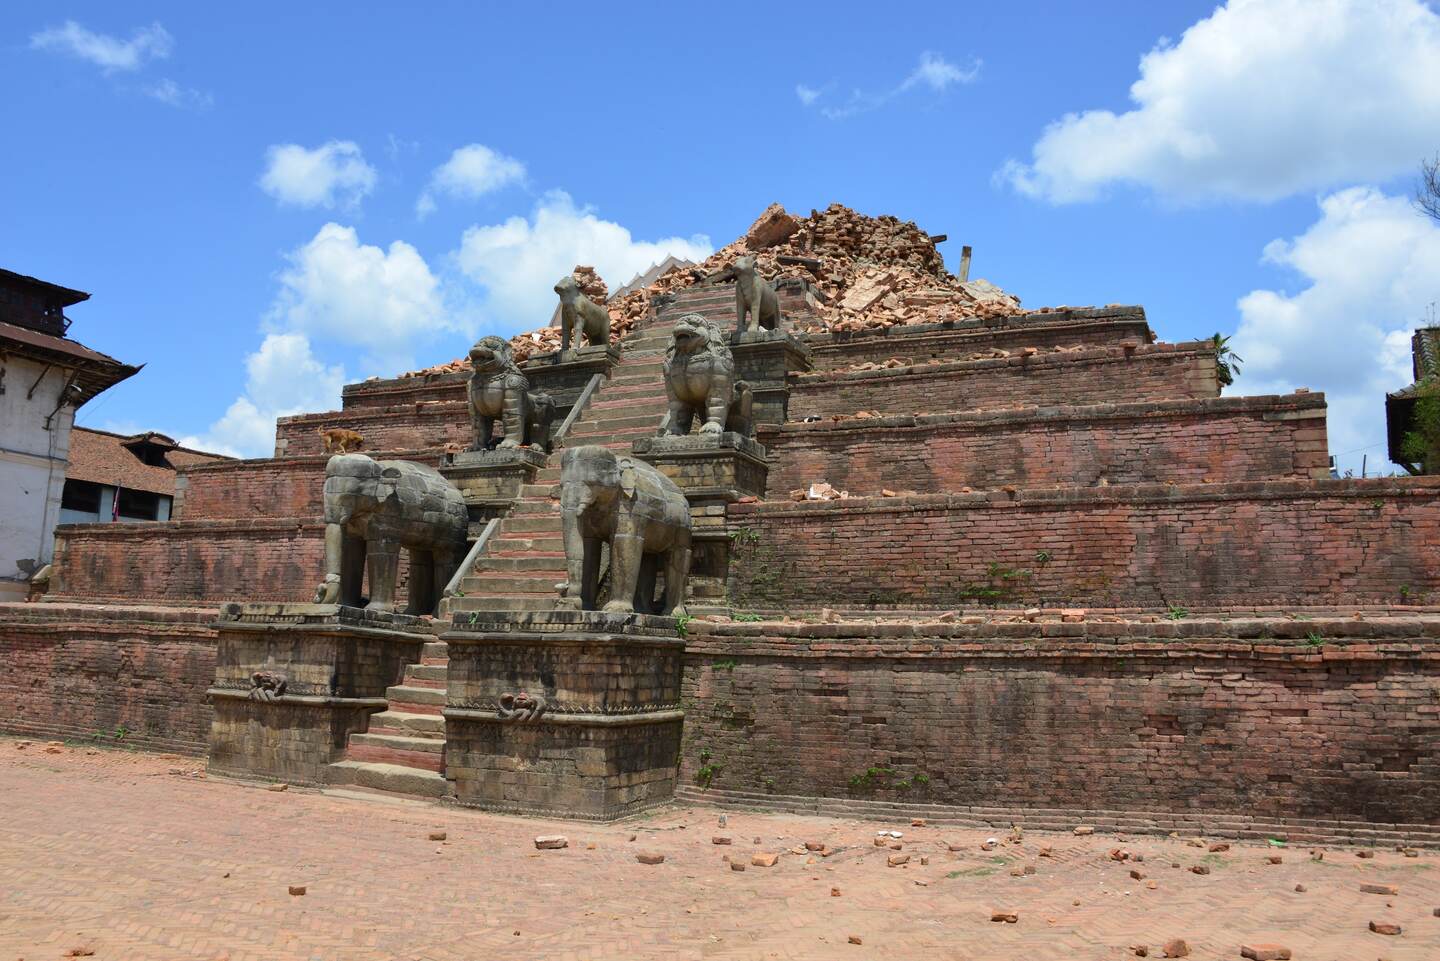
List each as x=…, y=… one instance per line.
x=498, y=391
x=700, y=381
x=582, y=321
x=267, y=685
x=374, y=508
x=755, y=297
x=540, y=420
x=640, y=513
x=521, y=707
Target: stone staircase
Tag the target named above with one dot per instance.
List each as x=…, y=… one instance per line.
x=403, y=750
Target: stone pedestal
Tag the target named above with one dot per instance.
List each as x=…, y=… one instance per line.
x=762, y=359
x=564, y=713
x=490, y=479
x=713, y=470
x=293, y=681
x=563, y=374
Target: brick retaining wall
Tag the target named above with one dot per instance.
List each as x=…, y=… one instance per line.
x=1091, y=376
x=918, y=344
x=271, y=487
x=427, y=426
x=1283, y=542
x=189, y=562
x=117, y=675
x=1187, y=442
x=1194, y=717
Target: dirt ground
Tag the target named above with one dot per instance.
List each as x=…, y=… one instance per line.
x=141, y=856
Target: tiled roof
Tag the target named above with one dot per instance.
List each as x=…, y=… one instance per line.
x=103, y=458
x=94, y=371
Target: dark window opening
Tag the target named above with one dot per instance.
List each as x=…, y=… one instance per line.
x=139, y=505
x=81, y=496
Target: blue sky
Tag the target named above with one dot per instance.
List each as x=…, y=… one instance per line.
x=240, y=188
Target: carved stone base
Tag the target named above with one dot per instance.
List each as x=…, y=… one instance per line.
x=708, y=467
x=565, y=713
x=293, y=681
x=762, y=359
x=563, y=374
x=490, y=480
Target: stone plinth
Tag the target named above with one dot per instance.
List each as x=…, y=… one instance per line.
x=293, y=681
x=563, y=374
x=708, y=467
x=713, y=470
x=762, y=359
x=565, y=713
x=490, y=480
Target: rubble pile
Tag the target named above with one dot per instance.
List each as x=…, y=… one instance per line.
x=874, y=272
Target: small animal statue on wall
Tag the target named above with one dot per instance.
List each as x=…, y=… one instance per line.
x=582, y=321
x=498, y=391
x=608, y=498
x=374, y=508
x=756, y=305
x=700, y=382
x=340, y=440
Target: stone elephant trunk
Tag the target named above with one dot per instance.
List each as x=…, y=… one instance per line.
x=606, y=498
x=373, y=509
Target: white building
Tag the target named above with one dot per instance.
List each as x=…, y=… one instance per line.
x=44, y=378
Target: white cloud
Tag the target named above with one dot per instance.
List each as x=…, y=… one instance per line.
x=333, y=173
x=937, y=73
x=1371, y=264
x=359, y=294
x=932, y=71
x=169, y=92
x=1262, y=99
x=284, y=377
x=518, y=261
x=471, y=172
x=109, y=53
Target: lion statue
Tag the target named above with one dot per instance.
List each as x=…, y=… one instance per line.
x=497, y=390
x=582, y=321
x=700, y=381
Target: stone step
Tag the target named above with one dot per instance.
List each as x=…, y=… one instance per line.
x=526, y=507
x=430, y=726
x=540, y=490
x=416, y=696
x=529, y=544
x=534, y=524
x=548, y=561
x=392, y=778
x=520, y=602
x=435, y=649
x=428, y=674
x=397, y=750
x=497, y=583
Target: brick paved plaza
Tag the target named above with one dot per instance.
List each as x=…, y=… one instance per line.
x=139, y=856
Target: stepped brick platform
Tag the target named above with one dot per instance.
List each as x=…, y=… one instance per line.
x=1203, y=718
x=1337, y=541
x=1094, y=375
x=1061, y=459
x=1185, y=442
x=922, y=343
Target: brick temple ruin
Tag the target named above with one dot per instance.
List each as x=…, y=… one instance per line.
x=976, y=561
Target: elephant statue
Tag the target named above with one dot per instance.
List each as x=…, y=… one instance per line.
x=374, y=508
x=611, y=498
